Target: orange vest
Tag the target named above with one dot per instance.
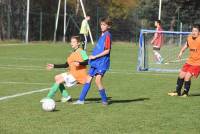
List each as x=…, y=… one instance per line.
x=80, y=72
x=194, y=55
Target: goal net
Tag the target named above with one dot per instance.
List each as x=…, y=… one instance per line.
x=171, y=44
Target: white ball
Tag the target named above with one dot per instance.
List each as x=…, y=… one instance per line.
x=49, y=105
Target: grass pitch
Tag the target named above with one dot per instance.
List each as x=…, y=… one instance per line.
x=139, y=101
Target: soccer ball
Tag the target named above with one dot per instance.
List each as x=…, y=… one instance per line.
x=49, y=105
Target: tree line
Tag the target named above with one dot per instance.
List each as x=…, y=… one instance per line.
x=128, y=17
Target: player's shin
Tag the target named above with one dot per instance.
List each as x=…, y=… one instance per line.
x=53, y=90
x=84, y=91
x=102, y=93
x=187, y=86
x=179, y=85
x=63, y=90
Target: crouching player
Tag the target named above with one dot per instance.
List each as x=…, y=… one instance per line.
x=192, y=66
x=77, y=73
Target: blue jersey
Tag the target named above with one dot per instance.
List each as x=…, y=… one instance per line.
x=103, y=62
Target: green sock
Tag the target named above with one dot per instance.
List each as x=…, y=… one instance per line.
x=63, y=91
x=53, y=90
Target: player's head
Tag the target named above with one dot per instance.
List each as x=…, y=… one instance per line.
x=157, y=23
x=105, y=24
x=195, y=30
x=87, y=17
x=75, y=42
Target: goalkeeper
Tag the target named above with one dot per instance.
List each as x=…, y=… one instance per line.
x=84, y=30
x=77, y=73
x=192, y=66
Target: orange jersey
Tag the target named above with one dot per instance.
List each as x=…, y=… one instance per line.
x=194, y=55
x=80, y=72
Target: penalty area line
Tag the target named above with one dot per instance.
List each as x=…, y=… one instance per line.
x=22, y=94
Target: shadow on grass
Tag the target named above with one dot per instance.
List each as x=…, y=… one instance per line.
x=194, y=94
x=112, y=101
x=128, y=101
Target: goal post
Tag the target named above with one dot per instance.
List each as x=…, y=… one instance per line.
x=172, y=43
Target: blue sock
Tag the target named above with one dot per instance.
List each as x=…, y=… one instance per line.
x=84, y=91
x=102, y=93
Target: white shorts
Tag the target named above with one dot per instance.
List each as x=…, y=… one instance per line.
x=69, y=79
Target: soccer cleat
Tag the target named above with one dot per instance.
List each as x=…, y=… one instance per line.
x=161, y=60
x=184, y=93
x=105, y=103
x=173, y=93
x=66, y=99
x=44, y=99
x=78, y=102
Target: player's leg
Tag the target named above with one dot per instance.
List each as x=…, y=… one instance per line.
x=86, y=86
x=85, y=42
x=101, y=89
x=65, y=95
x=58, y=80
x=157, y=56
x=179, y=84
x=187, y=83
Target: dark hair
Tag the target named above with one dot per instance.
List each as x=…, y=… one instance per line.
x=196, y=26
x=107, y=21
x=158, y=21
x=76, y=38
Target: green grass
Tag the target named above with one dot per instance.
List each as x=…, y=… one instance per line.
x=139, y=101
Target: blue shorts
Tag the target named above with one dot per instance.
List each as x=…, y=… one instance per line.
x=95, y=71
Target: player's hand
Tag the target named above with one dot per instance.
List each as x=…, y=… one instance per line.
x=91, y=57
x=76, y=63
x=50, y=66
x=180, y=55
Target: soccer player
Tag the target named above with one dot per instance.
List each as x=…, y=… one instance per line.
x=192, y=66
x=84, y=31
x=99, y=62
x=77, y=73
x=157, y=42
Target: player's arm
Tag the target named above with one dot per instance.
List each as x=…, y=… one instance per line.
x=51, y=66
x=183, y=50
x=106, y=49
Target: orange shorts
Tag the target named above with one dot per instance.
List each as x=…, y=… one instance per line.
x=194, y=70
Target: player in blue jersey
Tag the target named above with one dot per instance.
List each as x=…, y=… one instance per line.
x=99, y=63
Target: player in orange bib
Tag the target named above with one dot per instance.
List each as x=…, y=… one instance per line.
x=76, y=71
x=192, y=66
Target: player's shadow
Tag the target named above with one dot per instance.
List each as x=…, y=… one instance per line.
x=194, y=94
x=112, y=101
x=128, y=100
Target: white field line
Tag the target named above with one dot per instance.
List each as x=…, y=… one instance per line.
x=21, y=68
x=32, y=59
x=22, y=94
x=173, y=61
x=14, y=44
x=128, y=72
x=23, y=83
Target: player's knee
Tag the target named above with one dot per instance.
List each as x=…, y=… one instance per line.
x=57, y=77
x=188, y=77
x=98, y=81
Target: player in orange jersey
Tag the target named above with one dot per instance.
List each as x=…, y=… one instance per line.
x=192, y=66
x=77, y=73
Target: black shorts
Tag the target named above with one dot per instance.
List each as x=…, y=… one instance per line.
x=156, y=48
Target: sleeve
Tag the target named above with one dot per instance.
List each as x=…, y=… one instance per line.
x=61, y=65
x=84, y=55
x=107, y=42
x=84, y=63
